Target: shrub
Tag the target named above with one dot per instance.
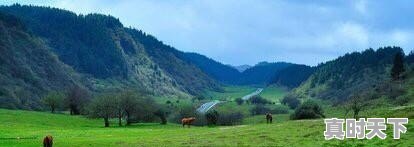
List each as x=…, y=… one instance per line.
x=291, y=101
x=212, y=117
x=259, y=110
x=279, y=109
x=308, y=110
x=239, y=101
x=230, y=118
x=274, y=109
x=402, y=100
x=258, y=100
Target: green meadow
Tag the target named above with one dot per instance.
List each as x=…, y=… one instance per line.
x=27, y=128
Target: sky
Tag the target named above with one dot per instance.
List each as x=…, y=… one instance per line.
x=240, y=32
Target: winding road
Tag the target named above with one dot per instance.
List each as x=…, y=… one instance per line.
x=207, y=106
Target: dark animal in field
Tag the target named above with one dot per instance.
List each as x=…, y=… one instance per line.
x=269, y=118
x=188, y=121
x=48, y=141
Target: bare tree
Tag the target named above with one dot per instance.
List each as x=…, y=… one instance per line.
x=53, y=100
x=77, y=98
x=356, y=104
x=105, y=107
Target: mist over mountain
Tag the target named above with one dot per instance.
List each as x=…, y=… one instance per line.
x=242, y=68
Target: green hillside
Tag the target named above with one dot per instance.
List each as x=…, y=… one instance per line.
x=366, y=74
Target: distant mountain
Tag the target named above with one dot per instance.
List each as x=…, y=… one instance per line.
x=261, y=73
x=292, y=76
x=223, y=73
x=354, y=73
x=242, y=68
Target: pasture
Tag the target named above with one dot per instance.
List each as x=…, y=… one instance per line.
x=27, y=128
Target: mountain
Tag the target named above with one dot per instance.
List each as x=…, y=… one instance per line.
x=191, y=76
x=356, y=73
x=261, y=73
x=27, y=67
x=292, y=76
x=223, y=73
x=242, y=68
x=99, y=50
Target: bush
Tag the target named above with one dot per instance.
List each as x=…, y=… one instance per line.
x=291, y=101
x=258, y=100
x=230, y=118
x=239, y=101
x=308, y=110
x=402, y=100
x=212, y=117
x=279, y=109
x=274, y=109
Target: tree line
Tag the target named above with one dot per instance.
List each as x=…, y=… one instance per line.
x=127, y=106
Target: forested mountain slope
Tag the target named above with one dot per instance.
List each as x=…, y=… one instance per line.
x=358, y=73
x=113, y=56
x=27, y=67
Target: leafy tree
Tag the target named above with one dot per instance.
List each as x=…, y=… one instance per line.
x=291, y=101
x=239, y=101
x=308, y=110
x=76, y=99
x=53, y=100
x=398, y=66
x=212, y=117
x=162, y=113
x=259, y=110
x=105, y=107
x=258, y=100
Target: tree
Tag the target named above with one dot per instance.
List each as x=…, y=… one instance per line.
x=258, y=100
x=291, y=101
x=212, y=117
x=308, y=110
x=76, y=99
x=127, y=103
x=398, y=66
x=105, y=107
x=162, y=114
x=356, y=104
x=53, y=100
x=239, y=101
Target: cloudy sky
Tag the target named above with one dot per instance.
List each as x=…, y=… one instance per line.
x=249, y=31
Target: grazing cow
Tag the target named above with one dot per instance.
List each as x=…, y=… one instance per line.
x=269, y=118
x=188, y=121
x=48, y=141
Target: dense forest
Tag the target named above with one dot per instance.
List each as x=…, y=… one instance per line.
x=369, y=74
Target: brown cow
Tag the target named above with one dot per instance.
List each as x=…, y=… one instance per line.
x=48, y=141
x=188, y=121
x=269, y=118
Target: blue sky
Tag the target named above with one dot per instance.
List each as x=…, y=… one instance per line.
x=249, y=31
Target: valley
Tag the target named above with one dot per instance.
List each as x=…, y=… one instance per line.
x=88, y=80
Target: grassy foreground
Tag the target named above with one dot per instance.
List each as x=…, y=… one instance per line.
x=26, y=128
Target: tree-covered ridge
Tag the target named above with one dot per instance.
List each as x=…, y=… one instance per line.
x=100, y=47
x=217, y=70
x=353, y=73
x=262, y=73
x=292, y=76
x=174, y=63
x=27, y=68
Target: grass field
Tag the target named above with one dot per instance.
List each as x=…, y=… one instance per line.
x=67, y=130
x=230, y=93
x=273, y=93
